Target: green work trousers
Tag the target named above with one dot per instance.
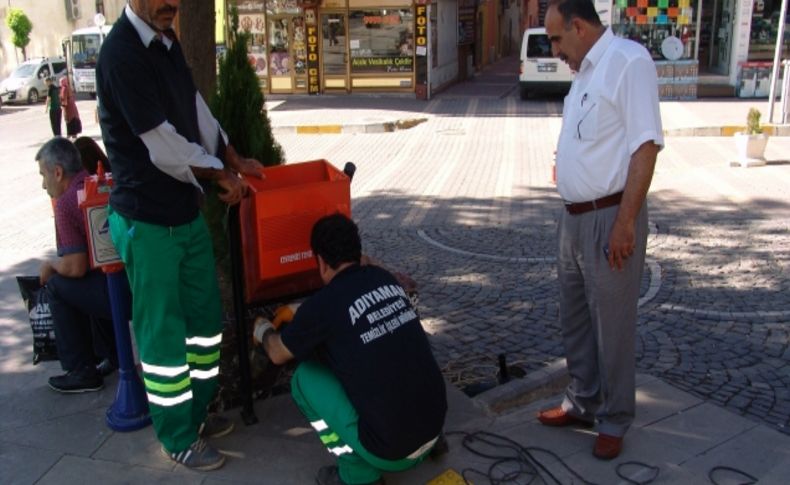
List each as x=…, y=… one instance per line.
x=324, y=402
x=177, y=320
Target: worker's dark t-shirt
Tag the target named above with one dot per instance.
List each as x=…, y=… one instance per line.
x=139, y=88
x=363, y=327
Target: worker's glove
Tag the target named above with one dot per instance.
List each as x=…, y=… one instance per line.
x=261, y=326
x=284, y=314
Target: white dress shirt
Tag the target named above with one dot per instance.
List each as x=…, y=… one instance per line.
x=610, y=111
x=169, y=151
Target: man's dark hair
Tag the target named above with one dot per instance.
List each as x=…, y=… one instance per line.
x=60, y=151
x=581, y=9
x=336, y=239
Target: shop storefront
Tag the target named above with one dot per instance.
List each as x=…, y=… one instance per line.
x=702, y=42
x=754, y=72
x=669, y=31
x=333, y=45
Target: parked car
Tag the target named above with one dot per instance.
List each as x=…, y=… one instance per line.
x=540, y=70
x=26, y=84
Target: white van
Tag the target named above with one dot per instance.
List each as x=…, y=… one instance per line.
x=26, y=84
x=539, y=70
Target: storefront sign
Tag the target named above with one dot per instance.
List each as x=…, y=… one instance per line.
x=249, y=6
x=313, y=80
x=466, y=21
x=381, y=20
x=421, y=21
x=381, y=64
x=743, y=27
x=421, y=41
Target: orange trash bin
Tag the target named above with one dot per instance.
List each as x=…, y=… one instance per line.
x=276, y=221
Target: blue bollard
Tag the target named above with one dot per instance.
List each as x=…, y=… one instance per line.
x=129, y=412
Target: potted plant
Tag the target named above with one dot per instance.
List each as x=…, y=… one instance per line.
x=751, y=143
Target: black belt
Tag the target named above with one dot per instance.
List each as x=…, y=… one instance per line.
x=577, y=208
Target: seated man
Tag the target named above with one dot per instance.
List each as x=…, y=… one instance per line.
x=79, y=300
x=367, y=380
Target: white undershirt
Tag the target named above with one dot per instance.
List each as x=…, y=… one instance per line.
x=169, y=151
x=610, y=111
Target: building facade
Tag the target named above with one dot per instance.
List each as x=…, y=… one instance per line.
x=719, y=47
x=53, y=21
x=346, y=46
x=710, y=47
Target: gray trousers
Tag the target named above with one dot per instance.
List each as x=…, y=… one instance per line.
x=598, y=318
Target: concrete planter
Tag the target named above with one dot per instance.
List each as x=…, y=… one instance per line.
x=751, y=149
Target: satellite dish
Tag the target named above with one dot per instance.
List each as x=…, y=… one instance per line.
x=99, y=20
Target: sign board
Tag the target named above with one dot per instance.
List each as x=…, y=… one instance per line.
x=102, y=250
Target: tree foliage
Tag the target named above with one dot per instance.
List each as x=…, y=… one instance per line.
x=238, y=106
x=20, y=27
x=239, y=103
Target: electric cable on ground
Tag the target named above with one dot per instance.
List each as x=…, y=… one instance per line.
x=513, y=461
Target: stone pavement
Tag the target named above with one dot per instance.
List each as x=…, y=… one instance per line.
x=464, y=202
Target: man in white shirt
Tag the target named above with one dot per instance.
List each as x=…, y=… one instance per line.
x=611, y=134
x=160, y=138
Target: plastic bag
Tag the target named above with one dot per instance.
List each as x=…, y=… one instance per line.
x=36, y=301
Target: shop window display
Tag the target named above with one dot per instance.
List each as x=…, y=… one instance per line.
x=299, y=47
x=253, y=22
x=381, y=41
x=650, y=22
x=765, y=28
x=279, y=55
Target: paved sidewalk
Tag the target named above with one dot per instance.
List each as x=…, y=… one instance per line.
x=464, y=202
x=374, y=113
x=52, y=439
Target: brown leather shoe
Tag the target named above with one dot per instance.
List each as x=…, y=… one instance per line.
x=557, y=416
x=607, y=447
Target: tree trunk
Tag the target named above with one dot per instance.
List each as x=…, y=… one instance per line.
x=196, y=22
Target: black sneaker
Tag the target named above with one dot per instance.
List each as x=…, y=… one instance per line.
x=215, y=426
x=199, y=456
x=106, y=367
x=329, y=475
x=84, y=380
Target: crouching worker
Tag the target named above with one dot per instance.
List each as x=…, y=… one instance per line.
x=367, y=380
x=79, y=299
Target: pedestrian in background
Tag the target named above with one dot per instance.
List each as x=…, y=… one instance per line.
x=70, y=113
x=91, y=154
x=160, y=137
x=52, y=104
x=611, y=134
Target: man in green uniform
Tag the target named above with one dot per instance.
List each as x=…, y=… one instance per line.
x=367, y=380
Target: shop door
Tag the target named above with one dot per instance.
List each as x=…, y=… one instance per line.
x=718, y=17
x=334, y=52
x=725, y=24
x=287, y=55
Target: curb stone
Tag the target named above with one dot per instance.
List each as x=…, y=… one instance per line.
x=355, y=128
x=540, y=384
